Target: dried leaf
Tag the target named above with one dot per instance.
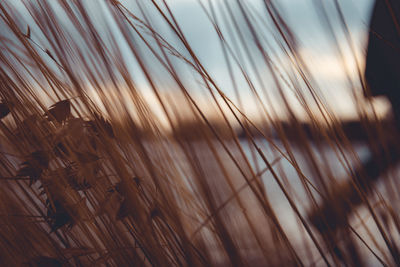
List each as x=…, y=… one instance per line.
x=60, y=150
x=31, y=171
x=101, y=123
x=60, y=111
x=33, y=168
x=80, y=185
x=58, y=216
x=123, y=210
x=76, y=125
x=4, y=110
x=119, y=188
x=74, y=181
x=40, y=158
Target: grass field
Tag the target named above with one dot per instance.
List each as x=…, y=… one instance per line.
x=119, y=147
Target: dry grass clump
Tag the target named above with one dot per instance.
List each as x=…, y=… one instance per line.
x=92, y=176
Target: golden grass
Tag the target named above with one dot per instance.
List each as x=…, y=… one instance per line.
x=90, y=176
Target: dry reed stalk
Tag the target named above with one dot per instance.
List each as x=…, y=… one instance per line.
x=92, y=177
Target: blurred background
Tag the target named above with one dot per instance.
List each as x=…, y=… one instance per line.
x=200, y=131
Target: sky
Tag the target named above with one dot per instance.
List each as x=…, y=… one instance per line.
x=315, y=45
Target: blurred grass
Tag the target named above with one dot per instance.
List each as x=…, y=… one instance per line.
x=92, y=176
